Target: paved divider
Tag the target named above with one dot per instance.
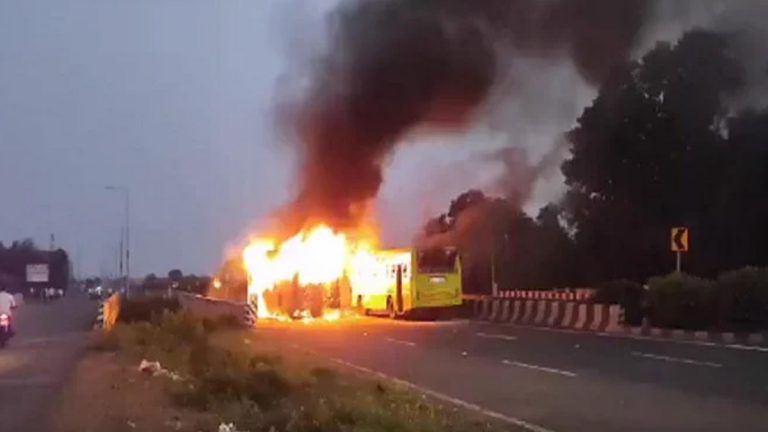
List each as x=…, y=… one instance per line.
x=597, y=318
x=206, y=307
x=549, y=313
x=742, y=339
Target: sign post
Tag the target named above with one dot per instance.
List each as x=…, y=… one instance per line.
x=679, y=244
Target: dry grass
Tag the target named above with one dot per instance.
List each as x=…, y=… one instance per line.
x=107, y=393
x=263, y=385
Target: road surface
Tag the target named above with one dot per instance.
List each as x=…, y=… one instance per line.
x=37, y=362
x=555, y=381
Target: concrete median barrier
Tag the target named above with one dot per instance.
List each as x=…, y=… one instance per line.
x=107, y=313
x=517, y=311
x=569, y=315
x=582, y=317
x=529, y=312
x=555, y=315
x=600, y=318
x=550, y=313
x=205, y=307
x=495, y=310
x=541, y=312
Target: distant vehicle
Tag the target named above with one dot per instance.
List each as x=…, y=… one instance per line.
x=406, y=281
x=95, y=293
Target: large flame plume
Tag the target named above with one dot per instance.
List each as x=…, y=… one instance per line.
x=316, y=258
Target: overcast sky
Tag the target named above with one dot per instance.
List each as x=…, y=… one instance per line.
x=174, y=100
x=169, y=98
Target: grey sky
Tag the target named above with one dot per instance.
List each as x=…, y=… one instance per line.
x=170, y=98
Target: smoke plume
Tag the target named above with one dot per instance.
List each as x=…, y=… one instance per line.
x=393, y=65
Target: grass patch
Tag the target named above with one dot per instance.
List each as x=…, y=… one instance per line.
x=261, y=385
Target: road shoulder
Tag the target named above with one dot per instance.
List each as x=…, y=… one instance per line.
x=107, y=393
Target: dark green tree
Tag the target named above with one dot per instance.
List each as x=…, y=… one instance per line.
x=175, y=275
x=647, y=155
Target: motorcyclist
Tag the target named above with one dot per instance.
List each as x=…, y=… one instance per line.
x=7, y=303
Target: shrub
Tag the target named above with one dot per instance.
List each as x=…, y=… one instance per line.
x=144, y=309
x=743, y=295
x=223, y=322
x=682, y=301
x=626, y=293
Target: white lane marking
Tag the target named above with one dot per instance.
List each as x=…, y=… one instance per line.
x=496, y=336
x=748, y=347
x=757, y=348
x=443, y=397
x=539, y=368
x=675, y=359
x=402, y=342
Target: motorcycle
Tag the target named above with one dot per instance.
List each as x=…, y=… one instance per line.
x=5, y=329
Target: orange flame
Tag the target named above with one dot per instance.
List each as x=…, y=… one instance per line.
x=317, y=256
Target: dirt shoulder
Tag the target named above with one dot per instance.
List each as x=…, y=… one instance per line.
x=214, y=373
x=108, y=393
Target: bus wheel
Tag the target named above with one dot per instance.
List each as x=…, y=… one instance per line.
x=391, y=308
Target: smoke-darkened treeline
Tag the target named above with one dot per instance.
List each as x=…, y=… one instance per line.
x=14, y=260
x=662, y=145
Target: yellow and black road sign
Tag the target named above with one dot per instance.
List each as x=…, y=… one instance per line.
x=679, y=239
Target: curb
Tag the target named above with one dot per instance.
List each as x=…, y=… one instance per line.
x=597, y=319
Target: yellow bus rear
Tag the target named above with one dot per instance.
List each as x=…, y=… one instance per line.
x=411, y=280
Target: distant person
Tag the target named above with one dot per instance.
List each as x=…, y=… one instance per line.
x=7, y=302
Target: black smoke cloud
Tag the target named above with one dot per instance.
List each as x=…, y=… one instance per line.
x=393, y=65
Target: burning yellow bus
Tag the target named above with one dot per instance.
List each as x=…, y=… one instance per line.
x=401, y=281
x=318, y=272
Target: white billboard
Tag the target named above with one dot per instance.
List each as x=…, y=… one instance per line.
x=37, y=272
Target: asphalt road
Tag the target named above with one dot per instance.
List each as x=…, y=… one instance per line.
x=38, y=360
x=556, y=381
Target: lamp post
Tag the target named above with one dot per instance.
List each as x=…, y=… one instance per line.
x=127, y=195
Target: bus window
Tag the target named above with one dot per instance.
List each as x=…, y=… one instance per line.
x=437, y=260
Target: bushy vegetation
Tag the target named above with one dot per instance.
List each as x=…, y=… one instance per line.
x=261, y=386
x=145, y=308
x=679, y=300
x=744, y=296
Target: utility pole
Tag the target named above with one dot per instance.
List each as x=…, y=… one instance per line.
x=120, y=254
x=494, y=284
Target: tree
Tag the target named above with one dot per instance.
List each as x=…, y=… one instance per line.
x=150, y=278
x=175, y=275
x=498, y=241
x=646, y=156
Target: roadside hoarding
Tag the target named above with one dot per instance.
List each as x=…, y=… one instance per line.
x=37, y=273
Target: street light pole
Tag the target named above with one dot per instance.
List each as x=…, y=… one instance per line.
x=127, y=195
